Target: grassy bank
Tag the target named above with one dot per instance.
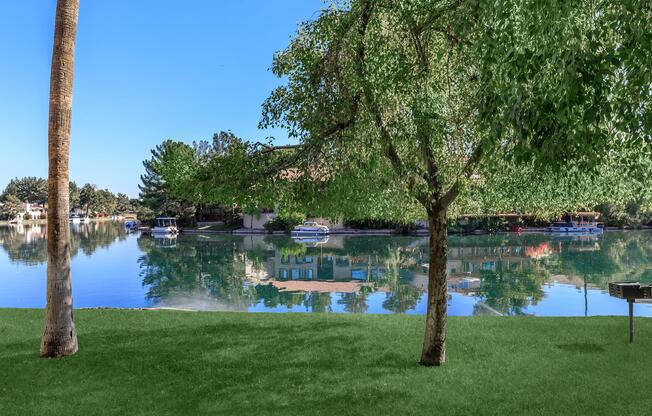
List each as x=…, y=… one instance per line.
x=177, y=363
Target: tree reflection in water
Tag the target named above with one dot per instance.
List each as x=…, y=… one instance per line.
x=510, y=291
x=356, y=274
x=211, y=271
x=237, y=275
x=26, y=244
x=402, y=297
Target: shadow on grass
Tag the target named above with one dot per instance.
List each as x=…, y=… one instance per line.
x=219, y=366
x=192, y=363
x=582, y=347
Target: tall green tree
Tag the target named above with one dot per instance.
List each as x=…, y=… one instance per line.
x=29, y=189
x=423, y=101
x=123, y=204
x=106, y=202
x=60, y=336
x=74, y=194
x=88, y=197
x=35, y=190
x=155, y=193
x=96, y=201
x=11, y=207
x=217, y=173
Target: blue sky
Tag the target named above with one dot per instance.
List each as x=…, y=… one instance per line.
x=145, y=71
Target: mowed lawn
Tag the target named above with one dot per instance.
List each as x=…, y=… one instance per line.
x=191, y=363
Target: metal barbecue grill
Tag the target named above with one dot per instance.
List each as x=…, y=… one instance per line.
x=630, y=291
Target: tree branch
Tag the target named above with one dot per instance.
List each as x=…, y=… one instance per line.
x=370, y=102
x=466, y=173
x=270, y=149
x=432, y=171
x=439, y=13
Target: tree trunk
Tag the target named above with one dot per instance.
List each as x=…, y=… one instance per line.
x=60, y=338
x=434, y=343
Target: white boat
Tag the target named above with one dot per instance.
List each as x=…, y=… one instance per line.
x=310, y=229
x=578, y=225
x=562, y=227
x=167, y=226
x=311, y=241
x=75, y=219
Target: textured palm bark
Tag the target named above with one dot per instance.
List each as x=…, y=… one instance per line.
x=434, y=343
x=60, y=337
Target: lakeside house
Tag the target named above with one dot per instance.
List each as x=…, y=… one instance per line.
x=32, y=212
x=257, y=221
x=35, y=211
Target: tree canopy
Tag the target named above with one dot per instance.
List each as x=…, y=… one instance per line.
x=29, y=190
x=436, y=99
x=155, y=193
x=529, y=106
x=463, y=104
x=436, y=108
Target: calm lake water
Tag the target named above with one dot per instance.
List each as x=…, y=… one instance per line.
x=507, y=274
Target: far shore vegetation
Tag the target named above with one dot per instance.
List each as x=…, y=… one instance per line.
x=30, y=193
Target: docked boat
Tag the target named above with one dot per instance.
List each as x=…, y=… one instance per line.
x=582, y=223
x=131, y=225
x=310, y=229
x=78, y=219
x=165, y=226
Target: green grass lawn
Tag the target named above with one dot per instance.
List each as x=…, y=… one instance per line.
x=185, y=363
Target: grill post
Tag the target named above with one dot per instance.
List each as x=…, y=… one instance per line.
x=630, y=291
x=631, y=320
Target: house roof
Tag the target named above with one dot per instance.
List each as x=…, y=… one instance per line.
x=317, y=286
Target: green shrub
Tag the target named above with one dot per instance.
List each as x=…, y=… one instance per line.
x=285, y=222
x=373, y=224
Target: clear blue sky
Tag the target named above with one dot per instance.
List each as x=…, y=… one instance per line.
x=145, y=70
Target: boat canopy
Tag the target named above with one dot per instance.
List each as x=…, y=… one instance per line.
x=166, y=222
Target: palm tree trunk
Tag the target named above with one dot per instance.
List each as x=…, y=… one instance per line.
x=60, y=337
x=434, y=342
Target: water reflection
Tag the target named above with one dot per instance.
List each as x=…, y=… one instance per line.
x=196, y=273
x=26, y=244
x=500, y=275
x=503, y=274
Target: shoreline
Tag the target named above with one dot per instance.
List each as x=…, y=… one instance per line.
x=290, y=313
x=388, y=232
x=344, y=231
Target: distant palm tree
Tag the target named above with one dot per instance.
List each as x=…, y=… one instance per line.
x=60, y=337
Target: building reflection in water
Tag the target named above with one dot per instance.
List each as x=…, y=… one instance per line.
x=501, y=274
